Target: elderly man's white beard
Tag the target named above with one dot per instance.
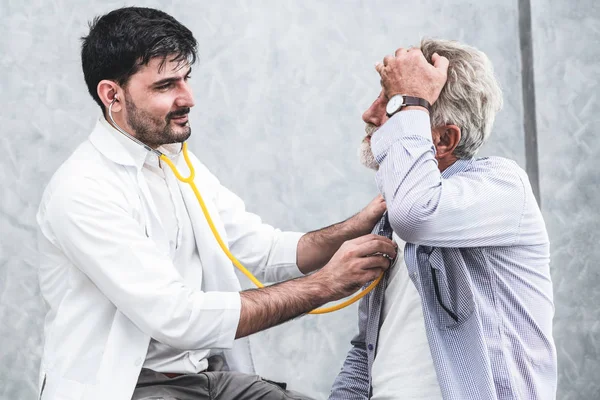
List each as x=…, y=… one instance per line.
x=364, y=151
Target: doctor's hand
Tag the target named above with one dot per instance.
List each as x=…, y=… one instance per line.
x=357, y=262
x=366, y=219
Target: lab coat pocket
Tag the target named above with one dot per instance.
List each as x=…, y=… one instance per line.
x=70, y=390
x=59, y=388
x=152, y=227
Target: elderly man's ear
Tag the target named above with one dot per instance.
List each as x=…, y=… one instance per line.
x=445, y=138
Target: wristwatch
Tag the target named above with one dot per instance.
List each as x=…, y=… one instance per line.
x=398, y=101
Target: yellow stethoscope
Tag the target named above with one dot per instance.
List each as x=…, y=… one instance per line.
x=190, y=181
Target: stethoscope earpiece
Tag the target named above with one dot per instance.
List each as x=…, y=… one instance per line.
x=114, y=123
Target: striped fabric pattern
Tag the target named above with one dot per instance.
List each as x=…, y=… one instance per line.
x=478, y=253
x=354, y=381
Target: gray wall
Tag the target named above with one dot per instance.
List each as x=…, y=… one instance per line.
x=566, y=54
x=279, y=89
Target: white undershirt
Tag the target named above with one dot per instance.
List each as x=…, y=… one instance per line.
x=403, y=368
x=176, y=222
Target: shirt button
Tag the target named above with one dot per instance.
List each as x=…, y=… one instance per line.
x=370, y=347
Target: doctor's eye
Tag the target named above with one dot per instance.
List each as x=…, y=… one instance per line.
x=165, y=86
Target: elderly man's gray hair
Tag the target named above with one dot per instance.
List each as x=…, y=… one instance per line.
x=471, y=97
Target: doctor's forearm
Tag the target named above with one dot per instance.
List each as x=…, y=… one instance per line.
x=316, y=248
x=270, y=306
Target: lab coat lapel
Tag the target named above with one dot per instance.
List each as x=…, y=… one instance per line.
x=218, y=270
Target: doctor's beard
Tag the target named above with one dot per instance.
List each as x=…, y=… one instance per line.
x=156, y=131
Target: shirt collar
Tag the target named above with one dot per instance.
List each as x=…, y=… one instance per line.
x=459, y=165
x=122, y=150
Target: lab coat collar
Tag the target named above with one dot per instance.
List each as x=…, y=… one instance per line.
x=124, y=151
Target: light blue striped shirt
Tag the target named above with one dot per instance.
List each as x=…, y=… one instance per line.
x=478, y=253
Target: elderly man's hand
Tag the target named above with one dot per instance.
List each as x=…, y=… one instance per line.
x=365, y=220
x=408, y=73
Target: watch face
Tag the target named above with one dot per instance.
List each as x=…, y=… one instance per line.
x=394, y=104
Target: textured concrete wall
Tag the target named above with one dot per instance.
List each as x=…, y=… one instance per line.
x=566, y=37
x=280, y=87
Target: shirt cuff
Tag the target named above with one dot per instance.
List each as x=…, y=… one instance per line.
x=403, y=123
x=227, y=306
x=283, y=260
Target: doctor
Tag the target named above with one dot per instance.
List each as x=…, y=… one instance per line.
x=141, y=299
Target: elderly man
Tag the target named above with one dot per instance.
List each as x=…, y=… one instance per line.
x=475, y=322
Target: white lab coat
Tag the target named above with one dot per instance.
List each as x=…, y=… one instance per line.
x=108, y=279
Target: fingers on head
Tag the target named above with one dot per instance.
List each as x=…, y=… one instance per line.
x=440, y=62
x=387, y=60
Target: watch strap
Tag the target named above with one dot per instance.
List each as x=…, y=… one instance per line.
x=416, y=101
x=411, y=101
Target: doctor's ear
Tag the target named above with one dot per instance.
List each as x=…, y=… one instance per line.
x=109, y=92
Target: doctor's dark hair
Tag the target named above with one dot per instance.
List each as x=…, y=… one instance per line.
x=123, y=40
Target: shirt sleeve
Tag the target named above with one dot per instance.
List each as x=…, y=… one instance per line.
x=91, y=222
x=479, y=206
x=352, y=383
